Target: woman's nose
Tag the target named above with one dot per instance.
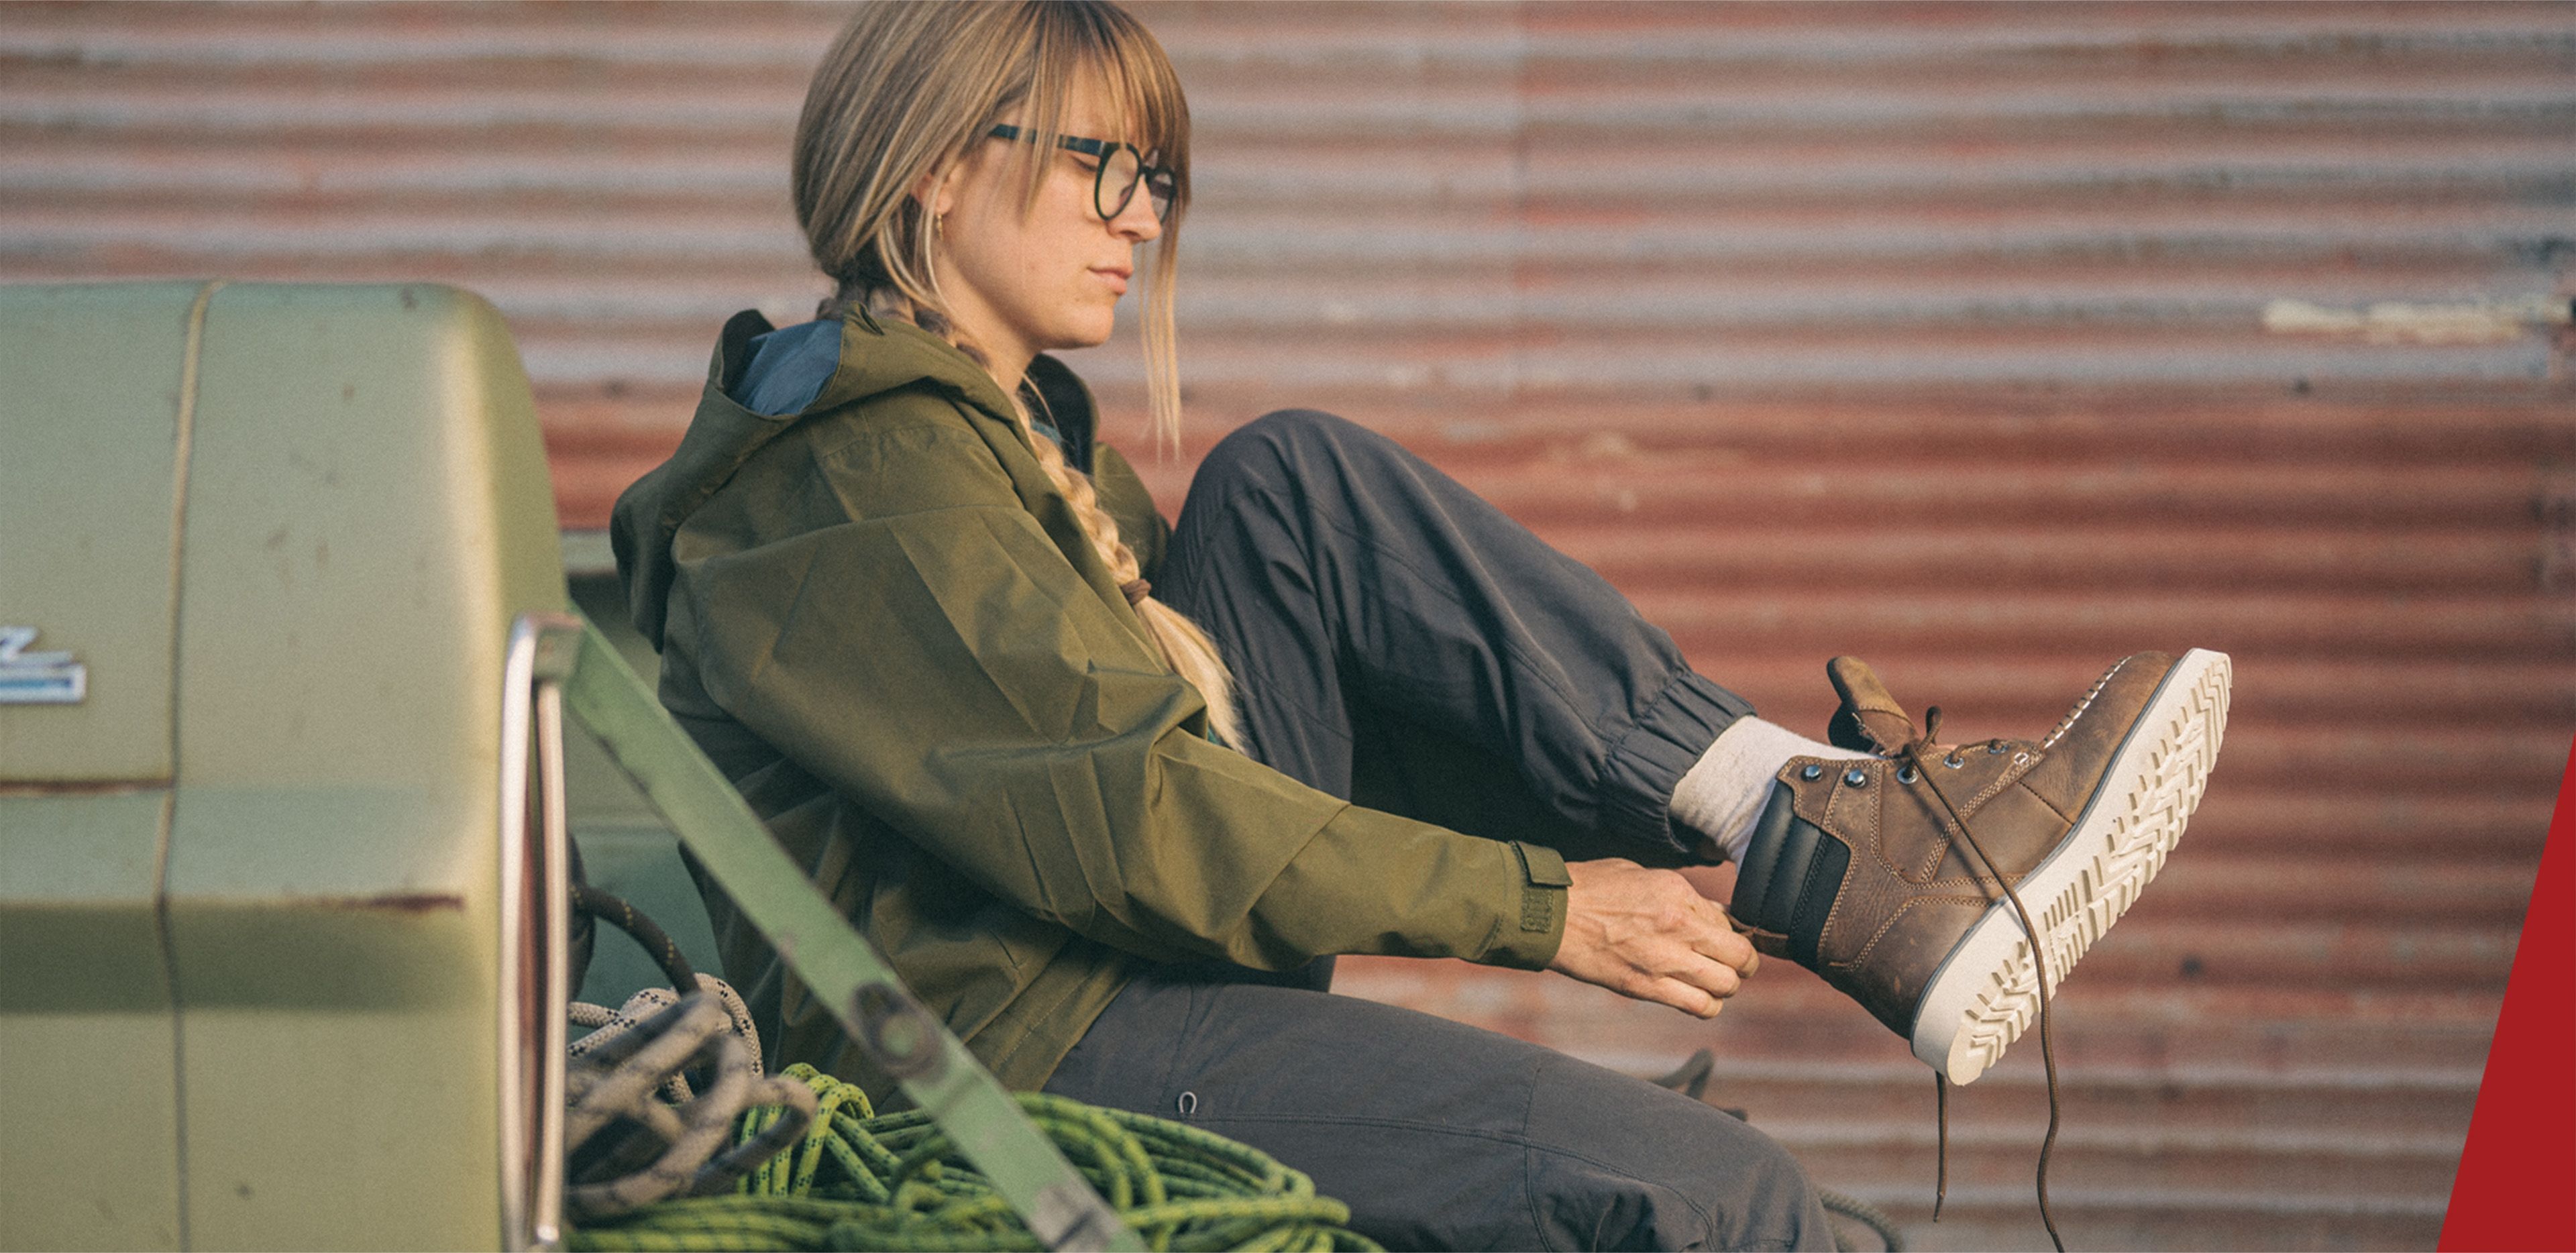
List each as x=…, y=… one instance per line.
x=1136, y=223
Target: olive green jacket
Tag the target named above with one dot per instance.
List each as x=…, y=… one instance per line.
x=883, y=622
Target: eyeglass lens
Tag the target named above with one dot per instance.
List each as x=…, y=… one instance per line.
x=1119, y=173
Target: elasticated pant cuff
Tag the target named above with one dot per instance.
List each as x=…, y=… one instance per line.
x=1648, y=763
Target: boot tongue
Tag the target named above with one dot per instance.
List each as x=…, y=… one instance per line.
x=1870, y=720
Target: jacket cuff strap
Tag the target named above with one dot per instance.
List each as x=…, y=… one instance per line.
x=1530, y=941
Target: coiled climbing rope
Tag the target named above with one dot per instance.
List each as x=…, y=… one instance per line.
x=800, y=1160
x=669, y=1149
x=857, y=1180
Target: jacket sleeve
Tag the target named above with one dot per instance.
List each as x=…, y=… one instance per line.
x=936, y=657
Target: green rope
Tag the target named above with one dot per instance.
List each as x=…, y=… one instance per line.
x=860, y=1181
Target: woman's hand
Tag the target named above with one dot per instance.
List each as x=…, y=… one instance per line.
x=1648, y=934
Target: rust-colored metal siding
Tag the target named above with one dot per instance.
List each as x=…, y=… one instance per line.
x=1987, y=342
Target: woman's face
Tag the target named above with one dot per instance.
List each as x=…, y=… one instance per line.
x=1021, y=284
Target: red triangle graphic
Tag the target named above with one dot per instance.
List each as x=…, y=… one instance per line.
x=2516, y=1189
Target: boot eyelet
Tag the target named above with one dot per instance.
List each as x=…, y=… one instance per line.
x=1952, y=761
x=1856, y=777
x=1996, y=749
x=1812, y=773
x=1908, y=775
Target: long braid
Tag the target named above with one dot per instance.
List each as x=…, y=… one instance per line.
x=1183, y=646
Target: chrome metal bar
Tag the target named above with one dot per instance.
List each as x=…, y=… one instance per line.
x=518, y=1175
x=546, y=1205
x=535, y=874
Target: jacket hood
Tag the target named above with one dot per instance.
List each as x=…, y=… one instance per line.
x=793, y=374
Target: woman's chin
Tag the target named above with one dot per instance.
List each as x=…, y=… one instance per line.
x=1087, y=336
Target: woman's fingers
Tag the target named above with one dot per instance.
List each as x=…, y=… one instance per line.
x=1695, y=1002
x=1703, y=926
x=1699, y=970
x=1648, y=934
x=1723, y=944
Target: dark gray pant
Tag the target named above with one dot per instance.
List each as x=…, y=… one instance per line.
x=1401, y=642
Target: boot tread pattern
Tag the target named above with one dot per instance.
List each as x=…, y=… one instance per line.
x=2141, y=831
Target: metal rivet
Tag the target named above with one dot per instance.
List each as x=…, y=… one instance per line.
x=1812, y=773
x=1952, y=761
x=1855, y=777
x=1908, y=775
x=1996, y=749
x=897, y=1033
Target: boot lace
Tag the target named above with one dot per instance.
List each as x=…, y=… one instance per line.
x=1917, y=755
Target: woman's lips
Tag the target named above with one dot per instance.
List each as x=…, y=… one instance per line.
x=1117, y=279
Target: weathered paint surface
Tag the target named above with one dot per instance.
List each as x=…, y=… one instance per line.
x=247, y=995
x=1986, y=342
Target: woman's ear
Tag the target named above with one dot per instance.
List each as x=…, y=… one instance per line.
x=936, y=191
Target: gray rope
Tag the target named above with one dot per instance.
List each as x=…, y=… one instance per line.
x=609, y=1024
x=648, y=1148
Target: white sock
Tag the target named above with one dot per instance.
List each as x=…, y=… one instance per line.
x=1721, y=796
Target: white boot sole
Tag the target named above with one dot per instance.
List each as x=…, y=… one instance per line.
x=1985, y=994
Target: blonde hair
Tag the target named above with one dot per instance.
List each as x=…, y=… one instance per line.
x=910, y=88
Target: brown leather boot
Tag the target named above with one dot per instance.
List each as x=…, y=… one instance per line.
x=1861, y=872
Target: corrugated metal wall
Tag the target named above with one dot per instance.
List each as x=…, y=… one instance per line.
x=1987, y=342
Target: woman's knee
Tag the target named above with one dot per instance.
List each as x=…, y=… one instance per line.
x=1738, y=1189
x=1772, y=1204
x=1303, y=428
x=1654, y=1169
x=1284, y=445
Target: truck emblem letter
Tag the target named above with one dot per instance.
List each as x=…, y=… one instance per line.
x=38, y=678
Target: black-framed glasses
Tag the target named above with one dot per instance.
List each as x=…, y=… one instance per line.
x=1122, y=167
